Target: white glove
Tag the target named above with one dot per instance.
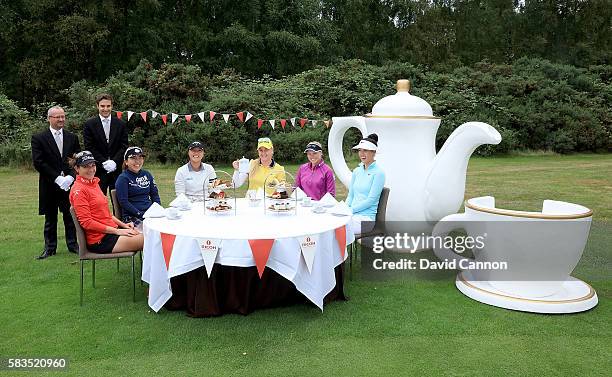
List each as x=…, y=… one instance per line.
x=60, y=181
x=67, y=182
x=109, y=165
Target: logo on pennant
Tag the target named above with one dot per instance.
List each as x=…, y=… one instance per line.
x=209, y=248
x=261, y=252
x=308, y=244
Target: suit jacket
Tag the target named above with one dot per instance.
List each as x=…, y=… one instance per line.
x=95, y=142
x=50, y=164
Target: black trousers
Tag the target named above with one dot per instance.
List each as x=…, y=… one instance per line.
x=50, y=231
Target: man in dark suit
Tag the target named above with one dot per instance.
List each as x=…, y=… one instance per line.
x=50, y=151
x=106, y=138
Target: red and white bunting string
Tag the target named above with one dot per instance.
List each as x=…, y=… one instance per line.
x=242, y=117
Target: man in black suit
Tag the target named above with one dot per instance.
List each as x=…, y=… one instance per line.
x=50, y=151
x=106, y=138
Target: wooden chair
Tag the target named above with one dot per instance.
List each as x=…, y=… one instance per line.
x=378, y=230
x=85, y=254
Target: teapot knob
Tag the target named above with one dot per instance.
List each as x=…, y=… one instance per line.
x=403, y=86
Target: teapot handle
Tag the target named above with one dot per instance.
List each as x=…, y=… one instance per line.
x=334, y=144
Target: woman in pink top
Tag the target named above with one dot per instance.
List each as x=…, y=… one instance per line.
x=315, y=178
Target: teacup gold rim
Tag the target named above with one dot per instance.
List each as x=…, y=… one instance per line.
x=579, y=299
x=402, y=116
x=531, y=215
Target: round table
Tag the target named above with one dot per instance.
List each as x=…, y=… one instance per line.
x=233, y=233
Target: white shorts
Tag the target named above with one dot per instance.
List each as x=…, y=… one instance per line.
x=360, y=224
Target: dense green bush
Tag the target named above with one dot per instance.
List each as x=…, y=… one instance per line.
x=534, y=103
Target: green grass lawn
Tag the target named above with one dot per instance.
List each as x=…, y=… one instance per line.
x=395, y=327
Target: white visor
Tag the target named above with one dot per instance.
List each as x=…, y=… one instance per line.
x=367, y=145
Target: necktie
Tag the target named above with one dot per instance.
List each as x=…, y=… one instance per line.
x=60, y=142
x=107, y=129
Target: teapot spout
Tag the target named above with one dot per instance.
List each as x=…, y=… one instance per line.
x=445, y=184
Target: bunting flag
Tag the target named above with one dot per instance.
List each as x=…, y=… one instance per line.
x=293, y=122
x=259, y=123
x=283, y=123
x=201, y=115
x=119, y=114
x=326, y=123
x=167, y=241
x=212, y=115
x=174, y=117
x=261, y=252
x=143, y=115
x=314, y=123
x=303, y=122
x=272, y=122
x=154, y=114
x=341, y=238
x=164, y=118
x=240, y=116
x=226, y=117
x=308, y=244
x=188, y=118
x=130, y=113
x=209, y=248
x=249, y=116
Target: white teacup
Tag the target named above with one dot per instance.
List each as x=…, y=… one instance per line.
x=172, y=213
x=541, y=249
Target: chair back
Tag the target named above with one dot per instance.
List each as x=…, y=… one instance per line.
x=116, y=207
x=80, y=233
x=381, y=211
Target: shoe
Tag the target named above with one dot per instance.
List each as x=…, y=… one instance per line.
x=45, y=254
x=73, y=251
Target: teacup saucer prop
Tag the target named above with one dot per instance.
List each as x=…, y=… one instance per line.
x=573, y=297
x=522, y=260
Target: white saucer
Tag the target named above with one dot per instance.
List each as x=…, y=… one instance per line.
x=575, y=296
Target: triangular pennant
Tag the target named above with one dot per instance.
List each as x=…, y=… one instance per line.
x=226, y=117
x=261, y=251
x=314, y=123
x=259, y=123
x=154, y=114
x=201, y=115
x=326, y=123
x=188, y=118
x=240, y=116
x=308, y=244
x=167, y=241
x=212, y=115
x=209, y=248
x=283, y=123
x=249, y=116
x=341, y=238
x=130, y=113
x=292, y=122
x=119, y=114
x=143, y=115
x=174, y=117
x=303, y=122
x=164, y=118
x=272, y=122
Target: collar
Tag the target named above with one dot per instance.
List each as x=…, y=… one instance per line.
x=373, y=164
x=271, y=163
x=54, y=131
x=102, y=118
x=321, y=163
x=190, y=168
x=86, y=181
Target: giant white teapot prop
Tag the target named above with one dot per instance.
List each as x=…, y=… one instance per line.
x=424, y=186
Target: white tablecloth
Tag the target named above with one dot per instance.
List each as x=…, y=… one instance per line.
x=234, y=232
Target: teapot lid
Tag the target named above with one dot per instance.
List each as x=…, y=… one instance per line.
x=402, y=104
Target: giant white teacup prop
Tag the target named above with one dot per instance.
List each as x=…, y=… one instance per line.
x=540, y=249
x=424, y=187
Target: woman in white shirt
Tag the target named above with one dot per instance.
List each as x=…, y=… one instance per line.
x=189, y=178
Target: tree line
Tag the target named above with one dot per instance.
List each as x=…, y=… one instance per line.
x=47, y=45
